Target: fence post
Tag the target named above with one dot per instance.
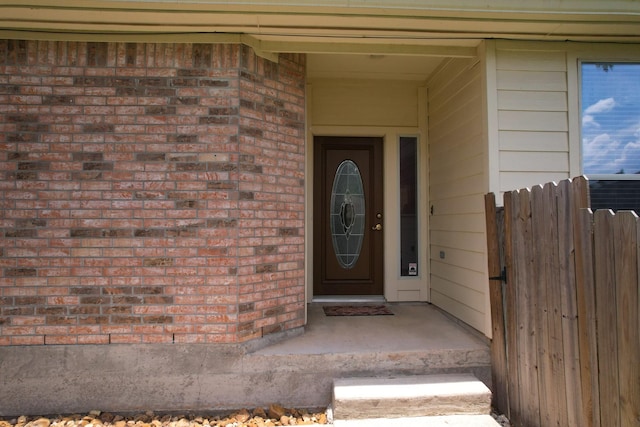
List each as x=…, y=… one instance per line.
x=498, y=350
x=511, y=324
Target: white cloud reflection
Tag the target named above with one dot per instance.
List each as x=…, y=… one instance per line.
x=611, y=119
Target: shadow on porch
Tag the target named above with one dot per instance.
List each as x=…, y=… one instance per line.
x=418, y=339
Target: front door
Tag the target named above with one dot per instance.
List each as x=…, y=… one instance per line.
x=348, y=217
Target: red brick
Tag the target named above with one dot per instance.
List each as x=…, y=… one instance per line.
x=125, y=339
x=27, y=340
x=148, y=329
x=120, y=329
x=157, y=338
x=94, y=192
x=93, y=339
x=63, y=300
x=211, y=329
x=190, y=338
x=84, y=330
x=27, y=320
x=60, y=339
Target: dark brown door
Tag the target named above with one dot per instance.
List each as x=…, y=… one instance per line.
x=348, y=217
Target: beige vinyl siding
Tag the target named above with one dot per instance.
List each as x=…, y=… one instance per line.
x=532, y=117
x=457, y=183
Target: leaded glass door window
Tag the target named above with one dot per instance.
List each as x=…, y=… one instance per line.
x=347, y=214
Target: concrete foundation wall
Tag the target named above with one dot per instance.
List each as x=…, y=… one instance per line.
x=199, y=378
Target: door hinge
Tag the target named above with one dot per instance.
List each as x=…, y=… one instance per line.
x=502, y=277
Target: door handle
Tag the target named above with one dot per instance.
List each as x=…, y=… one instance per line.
x=377, y=227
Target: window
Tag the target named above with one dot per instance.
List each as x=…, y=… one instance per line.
x=611, y=118
x=611, y=133
x=408, y=206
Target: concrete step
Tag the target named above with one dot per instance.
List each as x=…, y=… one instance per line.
x=410, y=396
x=441, y=421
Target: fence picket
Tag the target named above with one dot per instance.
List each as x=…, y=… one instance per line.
x=527, y=353
x=606, y=318
x=554, y=307
x=626, y=272
x=569, y=317
x=539, y=280
x=585, y=301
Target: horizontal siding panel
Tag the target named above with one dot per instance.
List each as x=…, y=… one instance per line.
x=445, y=188
x=475, y=242
x=465, y=313
x=461, y=145
x=554, y=81
x=463, y=294
x=531, y=60
x=534, y=141
x=458, y=256
x=516, y=180
x=468, y=132
x=532, y=101
x=521, y=161
x=461, y=168
x=461, y=93
x=463, y=110
x=449, y=76
x=474, y=223
x=533, y=121
x=458, y=283
x=460, y=205
x=454, y=109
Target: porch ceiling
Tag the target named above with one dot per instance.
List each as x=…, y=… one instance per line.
x=346, y=26
x=337, y=66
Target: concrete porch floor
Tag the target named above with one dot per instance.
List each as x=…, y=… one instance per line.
x=418, y=339
x=414, y=327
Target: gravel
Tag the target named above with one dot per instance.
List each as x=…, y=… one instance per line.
x=275, y=415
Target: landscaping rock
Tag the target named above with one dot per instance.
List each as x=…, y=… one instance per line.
x=275, y=416
x=276, y=411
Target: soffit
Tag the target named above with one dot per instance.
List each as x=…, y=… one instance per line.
x=330, y=21
x=378, y=67
x=381, y=39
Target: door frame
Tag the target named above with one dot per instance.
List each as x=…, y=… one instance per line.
x=395, y=288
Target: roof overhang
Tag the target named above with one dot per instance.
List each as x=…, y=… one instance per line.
x=406, y=27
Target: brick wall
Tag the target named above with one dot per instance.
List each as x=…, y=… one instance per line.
x=149, y=193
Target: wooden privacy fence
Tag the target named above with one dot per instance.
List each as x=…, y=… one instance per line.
x=564, y=302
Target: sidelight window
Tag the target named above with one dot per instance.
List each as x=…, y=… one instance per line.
x=409, y=206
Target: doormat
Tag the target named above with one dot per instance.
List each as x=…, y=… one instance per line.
x=357, y=310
